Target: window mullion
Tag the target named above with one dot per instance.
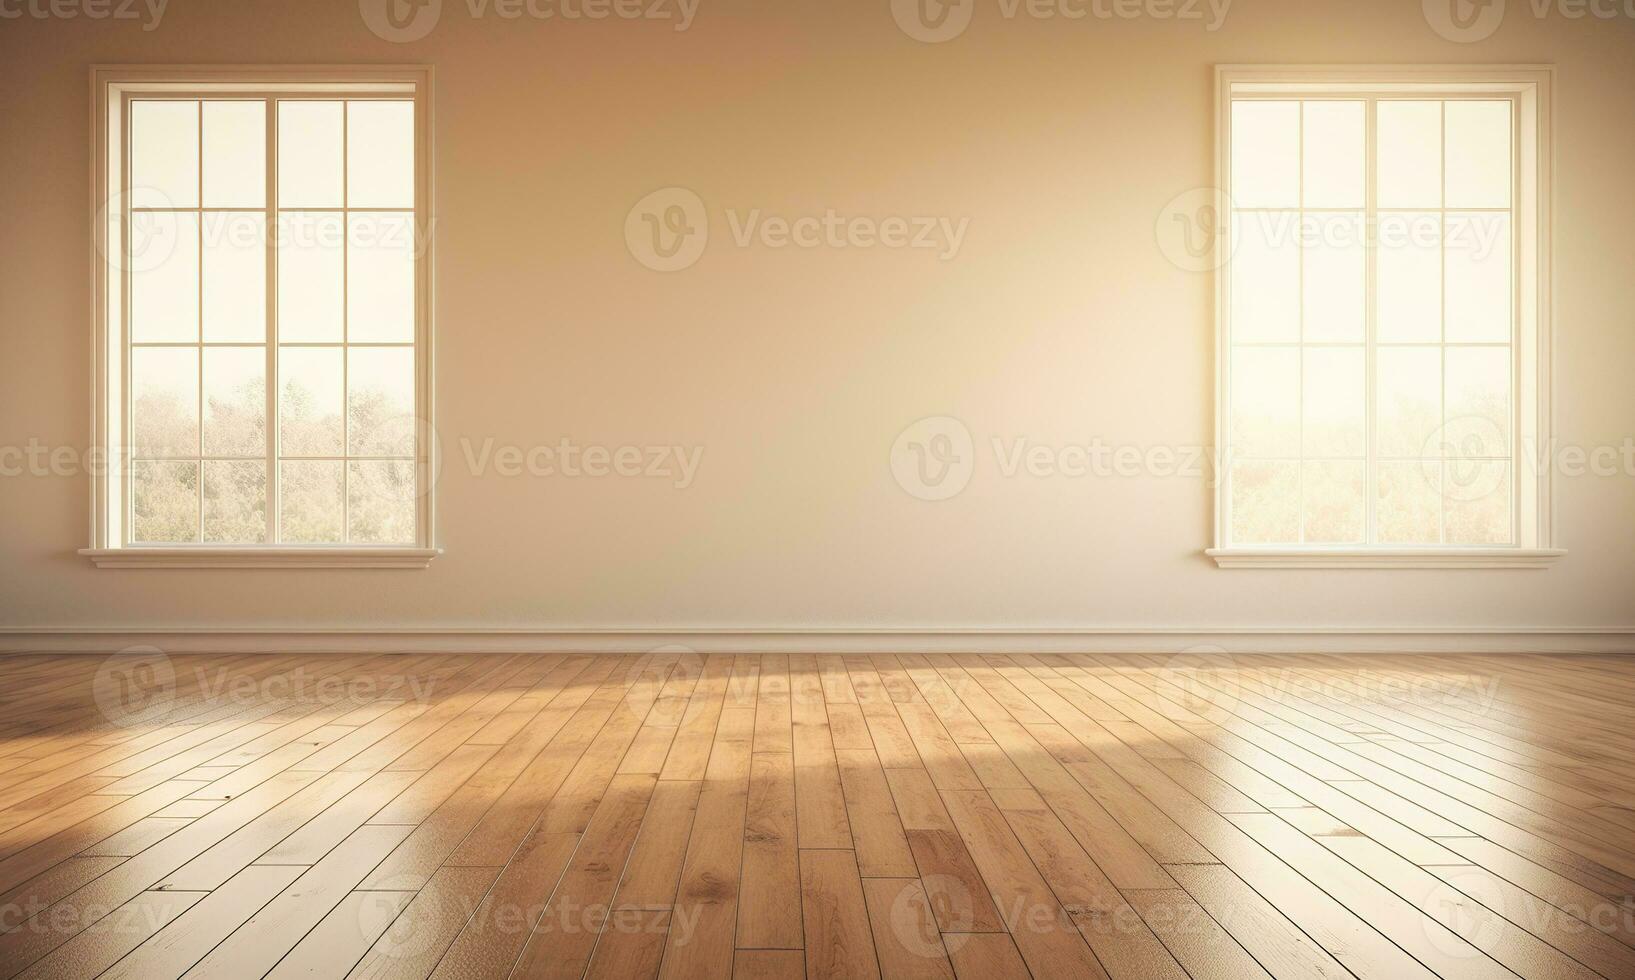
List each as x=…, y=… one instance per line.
x=1371, y=467
x=346, y=331
x=274, y=423
x=127, y=423
x=1442, y=317
x=1300, y=294
x=198, y=286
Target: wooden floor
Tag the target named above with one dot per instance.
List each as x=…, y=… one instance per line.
x=777, y=816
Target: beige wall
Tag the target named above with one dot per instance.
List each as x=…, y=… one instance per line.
x=1059, y=320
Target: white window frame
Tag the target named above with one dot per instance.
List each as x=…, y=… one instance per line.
x=1531, y=88
x=111, y=88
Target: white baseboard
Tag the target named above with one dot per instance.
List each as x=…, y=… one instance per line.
x=1128, y=640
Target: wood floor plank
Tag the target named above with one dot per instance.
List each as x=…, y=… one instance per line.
x=414, y=942
x=343, y=936
x=1279, y=946
x=839, y=940
x=565, y=935
x=631, y=945
x=1045, y=935
x=708, y=890
x=769, y=964
x=655, y=864
x=274, y=929
x=770, y=916
x=986, y=956
x=173, y=950
x=906, y=938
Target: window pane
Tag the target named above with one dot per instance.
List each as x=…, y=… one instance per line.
x=1408, y=507
x=1265, y=270
x=1478, y=502
x=310, y=291
x=235, y=401
x=1478, y=148
x=1266, y=154
x=311, y=496
x=380, y=278
x=1410, y=279
x=1478, y=264
x=1409, y=409
x=1335, y=508
x=1335, y=406
x=235, y=277
x=165, y=278
x=165, y=401
x=1334, y=157
x=235, y=154
x=380, y=154
x=165, y=501
x=381, y=496
x=1410, y=154
x=1265, y=503
x=311, y=399
x=1266, y=402
x=1478, y=402
x=309, y=154
x=1335, y=287
x=380, y=401
x=235, y=501
x=164, y=154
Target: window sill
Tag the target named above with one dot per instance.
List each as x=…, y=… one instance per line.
x=1386, y=558
x=208, y=557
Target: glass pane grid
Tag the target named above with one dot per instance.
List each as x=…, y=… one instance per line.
x=349, y=494
x=194, y=478
x=1471, y=467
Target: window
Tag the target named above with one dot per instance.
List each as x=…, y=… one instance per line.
x=1384, y=333
x=262, y=318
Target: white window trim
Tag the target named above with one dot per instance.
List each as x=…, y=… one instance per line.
x=109, y=86
x=1532, y=86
